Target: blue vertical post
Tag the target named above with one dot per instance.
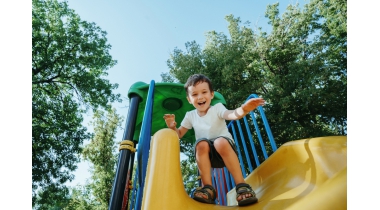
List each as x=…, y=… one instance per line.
x=221, y=185
x=266, y=125
x=227, y=177
x=252, y=143
x=238, y=149
x=144, y=143
x=245, y=147
x=259, y=136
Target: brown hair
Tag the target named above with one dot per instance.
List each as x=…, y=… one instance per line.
x=196, y=79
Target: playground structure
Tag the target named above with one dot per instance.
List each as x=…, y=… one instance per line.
x=301, y=174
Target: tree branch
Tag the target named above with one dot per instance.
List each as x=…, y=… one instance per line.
x=47, y=80
x=270, y=68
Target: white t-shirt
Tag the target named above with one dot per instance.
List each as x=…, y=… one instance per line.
x=208, y=126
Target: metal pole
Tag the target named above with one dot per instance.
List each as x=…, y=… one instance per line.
x=128, y=186
x=119, y=183
x=144, y=143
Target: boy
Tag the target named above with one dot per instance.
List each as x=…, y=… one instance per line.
x=214, y=146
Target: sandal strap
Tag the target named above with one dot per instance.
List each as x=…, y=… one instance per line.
x=244, y=188
x=204, y=191
x=242, y=185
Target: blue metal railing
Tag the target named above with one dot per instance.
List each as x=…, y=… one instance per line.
x=144, y=144
x=241, y=144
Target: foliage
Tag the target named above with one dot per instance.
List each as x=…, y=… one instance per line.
x=96, y=193
x=101, y=152
x=55, y=201
x=299, y=67
x=70, y=59
x=307, y=82
x=81, y=199
x=166, y=77
x=189, y=171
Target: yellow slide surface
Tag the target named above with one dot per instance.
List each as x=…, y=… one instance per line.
x=303, y=174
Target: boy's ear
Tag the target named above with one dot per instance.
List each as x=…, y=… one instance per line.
x=188, y=99
x=212, y=95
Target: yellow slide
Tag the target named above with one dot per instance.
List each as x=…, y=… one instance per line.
x=304, y=174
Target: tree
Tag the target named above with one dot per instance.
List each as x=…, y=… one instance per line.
x=96, y=193
x=166, y=77
x=70, y=59
x=81, y=199
x=101, y=152
x=189, y=172
x=306, y=67
x=299, y=67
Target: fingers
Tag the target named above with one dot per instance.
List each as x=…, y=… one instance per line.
x=257, y=101
x=253, y=103
x=261, y=101
x=169, y=116
x=170, y=120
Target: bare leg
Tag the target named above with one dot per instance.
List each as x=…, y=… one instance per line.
x=231, y=161
x=204, y=165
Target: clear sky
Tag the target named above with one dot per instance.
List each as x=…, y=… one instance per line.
x=144, y=33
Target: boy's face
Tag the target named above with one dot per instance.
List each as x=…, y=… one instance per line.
x=200, y=97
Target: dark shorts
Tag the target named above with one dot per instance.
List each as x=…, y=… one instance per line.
x=215, y=159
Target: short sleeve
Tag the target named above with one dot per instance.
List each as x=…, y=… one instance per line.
x=186, y=122
x=220, y=109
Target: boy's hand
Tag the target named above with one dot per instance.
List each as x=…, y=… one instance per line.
x=170, y=121
x=252, y=104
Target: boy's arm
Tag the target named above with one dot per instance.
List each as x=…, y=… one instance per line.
x=240, y=112
x=171, y=123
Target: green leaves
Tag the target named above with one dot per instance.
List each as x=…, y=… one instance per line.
x=70, y=59
x=70, y=55
x=189, y=171
x=101, y=152
x=299, y=67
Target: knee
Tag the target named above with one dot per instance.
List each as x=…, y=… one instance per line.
x=222, y=146
x=202, y=147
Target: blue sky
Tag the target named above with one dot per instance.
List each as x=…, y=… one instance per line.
x=144, y=33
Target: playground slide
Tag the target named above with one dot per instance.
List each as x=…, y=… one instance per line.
x=303, y=174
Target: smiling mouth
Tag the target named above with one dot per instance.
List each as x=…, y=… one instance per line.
x=202, y=103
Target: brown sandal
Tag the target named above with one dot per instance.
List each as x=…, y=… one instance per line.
x=210, y=198
x=242, y=189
